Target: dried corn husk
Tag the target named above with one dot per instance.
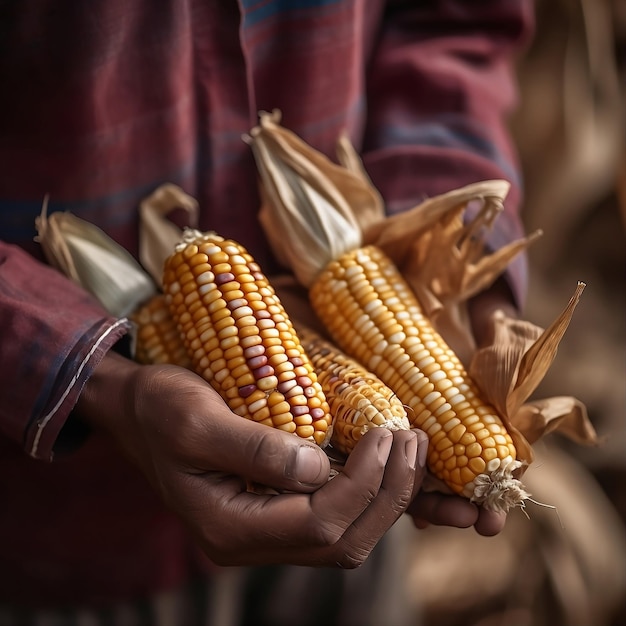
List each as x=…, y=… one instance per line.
x=157, y=235
x=89, y=257
x=304, y=184
x=512, y=377
x=92, y=259
x=442, y=256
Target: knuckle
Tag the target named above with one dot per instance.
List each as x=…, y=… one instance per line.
x=402, y=501
x=264, y=449
x=353, y=559
x=323, y=534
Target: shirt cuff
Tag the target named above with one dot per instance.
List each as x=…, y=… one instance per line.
x=44, y=432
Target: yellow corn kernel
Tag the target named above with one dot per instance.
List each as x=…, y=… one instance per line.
x=210, y=271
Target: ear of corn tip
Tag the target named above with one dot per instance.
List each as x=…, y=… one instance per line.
x=240, y=338
x=372, y=314
x=358, y=400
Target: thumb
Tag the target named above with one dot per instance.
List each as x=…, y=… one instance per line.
x=205, y=435
x=266, y=455
x=284, y=461
x=181, y=419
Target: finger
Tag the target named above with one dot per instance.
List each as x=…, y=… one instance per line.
x=489, y=523
x=354, y=510
x=404, y=473
x=351, y=491
x=362, y=502
x=443, y=510
x=422, y=461
x=270, y=457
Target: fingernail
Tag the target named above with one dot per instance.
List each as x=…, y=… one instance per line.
x=422, y=447
x=384, y=445
x=410, y=452
x=307, y=468
x=422, y=451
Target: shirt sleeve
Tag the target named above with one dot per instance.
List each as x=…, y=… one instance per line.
x=52, y=334
x=441, y=84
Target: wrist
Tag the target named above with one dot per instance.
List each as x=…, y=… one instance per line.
x=101, y=403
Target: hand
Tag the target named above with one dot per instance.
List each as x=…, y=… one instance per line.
x=448, y=510
x=199, y=457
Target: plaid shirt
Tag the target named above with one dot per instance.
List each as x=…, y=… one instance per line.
x=104, y=101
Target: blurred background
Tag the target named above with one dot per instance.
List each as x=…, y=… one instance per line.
x=564, y=566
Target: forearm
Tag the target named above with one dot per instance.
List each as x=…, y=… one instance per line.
x=53, y=335
x=103, y=402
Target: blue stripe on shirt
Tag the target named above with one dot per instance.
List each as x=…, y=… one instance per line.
x=258, y=10
x=17, y=217
x=447, y=131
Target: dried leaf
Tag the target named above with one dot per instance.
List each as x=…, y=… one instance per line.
x=372, y=210
x=483, y=272
x=444, y=257
x=397, y=233
x=563, y=414
x=539, y=357
x=494, y=368
x=509, y=370
x=50, y=237
x=89, y=257
x=158, y=235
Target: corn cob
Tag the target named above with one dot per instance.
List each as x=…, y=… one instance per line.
x=157, y=338
x=310, y=218
x=239, y=337
x=358, y=400
x=373, y=315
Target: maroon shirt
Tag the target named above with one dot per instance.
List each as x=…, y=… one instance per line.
x=104, y=101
